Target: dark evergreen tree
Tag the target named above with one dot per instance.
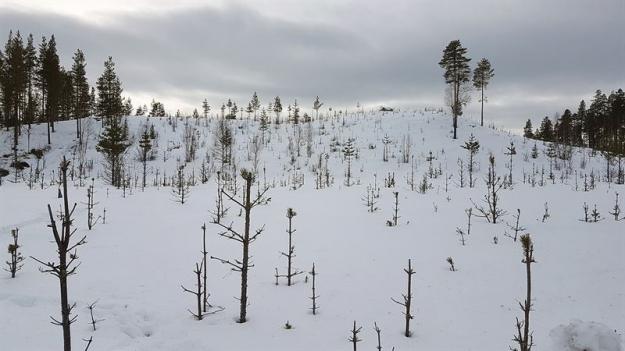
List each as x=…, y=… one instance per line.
x=481, y=77
x=80, y=91
x=457, y=71
x=277, y=108
x=109, y=103
x=528, y=131
x=546, y=130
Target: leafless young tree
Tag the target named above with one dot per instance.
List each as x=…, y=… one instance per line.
x=66, y=266
x=492, y=211
x=198, y=292
x=94, y=320
x=516, y=228
x=91, y=221
x=290, y=254
x=354, y=339
x=378, y=331
x=407, y=300
x=524, y=337
x=245, y=239
x=314, y=296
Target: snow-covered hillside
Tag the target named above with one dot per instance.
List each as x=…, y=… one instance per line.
x=133, y=265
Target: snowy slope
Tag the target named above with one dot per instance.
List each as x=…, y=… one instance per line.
x=134, y=264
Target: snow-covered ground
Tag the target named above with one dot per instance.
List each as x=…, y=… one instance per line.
x=134, y=264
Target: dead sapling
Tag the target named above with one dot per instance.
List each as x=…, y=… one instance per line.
x=616, y=210
x=393, y=221
x=378, y=331
x=407, y=300
x=198, y=292
x=546, y=215
x=67, y=253
x=220, y=210
x=245, y=238
x=180, y=186
x=354, y=339
x=88, y=341
x=524, y=338
x=205, y=295
x=314, y=296
x=370, y=199
x=94, y=320
x=492, y=210
x=15, y=262
x=510, y=151
x=291, y=272
x=461, y=234
x=516, y=228
x=469, y=213
x=91, y=222
x=452, y=267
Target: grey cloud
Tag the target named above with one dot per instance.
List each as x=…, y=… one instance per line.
x=559, y=49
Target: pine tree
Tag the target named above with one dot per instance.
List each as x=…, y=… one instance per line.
x=481, y=77
x=316, y=106
x=472, y=146
x=255, y=104
x=277, y=108
x=80, y=91
x=546, y=130
x=50, y=81
x=457, y=71
x=528, y=131
x=30, y=65
x=145, y=144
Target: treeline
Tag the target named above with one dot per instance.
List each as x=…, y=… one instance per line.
x=600, y=126
x=36, y=88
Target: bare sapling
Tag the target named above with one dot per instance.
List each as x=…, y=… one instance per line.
x=516, y=228
x=407, y=300
x=314, y=297
x=245, y=238
x=290, y=254
x=67, y=253
x=524, y=337
x=354, y=339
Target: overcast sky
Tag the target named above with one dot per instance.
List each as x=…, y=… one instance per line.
x=547, y=54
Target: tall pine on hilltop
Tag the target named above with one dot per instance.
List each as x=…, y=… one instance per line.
x=481, y=77
x=114, y=138
x=457, y=71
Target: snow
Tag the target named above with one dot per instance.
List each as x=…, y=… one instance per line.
x=585, y=336
x=135, y=263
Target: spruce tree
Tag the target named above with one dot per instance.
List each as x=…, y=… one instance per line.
x=457, y=71
x=113, y=140
x=109, y=103
x=481, y=77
